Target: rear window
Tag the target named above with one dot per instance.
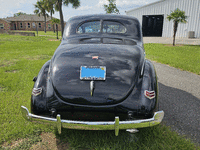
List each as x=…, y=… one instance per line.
x=113, y=27
x=89, y=27
x=95, y=27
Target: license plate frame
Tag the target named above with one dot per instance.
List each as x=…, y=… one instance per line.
x=93, y=72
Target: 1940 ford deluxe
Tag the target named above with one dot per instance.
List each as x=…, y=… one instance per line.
x=98, y=78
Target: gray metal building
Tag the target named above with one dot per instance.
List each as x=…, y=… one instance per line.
x=154, y=23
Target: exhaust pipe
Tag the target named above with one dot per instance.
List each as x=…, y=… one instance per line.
x=53, y=112
x=132, y=130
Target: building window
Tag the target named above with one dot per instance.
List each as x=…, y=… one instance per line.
x=21, y=26
x=49, y=26
x=33, y=24
x=29, y=25
x=1, y=26
x=39, y=25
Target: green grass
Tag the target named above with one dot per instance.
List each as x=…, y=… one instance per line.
x=185, y=57
x=21, y=58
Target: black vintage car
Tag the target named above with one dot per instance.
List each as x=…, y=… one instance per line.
x=98, y=78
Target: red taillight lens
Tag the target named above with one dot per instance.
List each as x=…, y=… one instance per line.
x=149, y=94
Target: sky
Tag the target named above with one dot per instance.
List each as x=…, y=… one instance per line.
x=9, y=7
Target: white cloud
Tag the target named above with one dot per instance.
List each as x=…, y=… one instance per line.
x=131, y=2
x=125, y=5
x=102, y=2
x=84, y=8
x=10, y=7
x=122, y=3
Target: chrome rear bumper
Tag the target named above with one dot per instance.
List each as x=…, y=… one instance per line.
x=87, y=125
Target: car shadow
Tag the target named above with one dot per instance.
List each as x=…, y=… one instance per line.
x=182, y=111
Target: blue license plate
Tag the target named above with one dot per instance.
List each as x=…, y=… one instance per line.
x=93, y=73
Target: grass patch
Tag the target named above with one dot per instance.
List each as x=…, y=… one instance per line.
x=26, y=55
x=184, y=57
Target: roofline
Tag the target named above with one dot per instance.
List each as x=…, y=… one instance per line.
x=9, y=19
x=144, y=6
x=5, y=20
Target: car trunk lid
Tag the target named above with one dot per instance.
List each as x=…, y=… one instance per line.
x=122, y=65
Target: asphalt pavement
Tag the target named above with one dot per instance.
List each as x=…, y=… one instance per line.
x=179, y=94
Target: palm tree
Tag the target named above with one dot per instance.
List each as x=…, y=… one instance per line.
x=177, y=16
x=58, y=7
x=55, y=21
x=40, y=10
x=49, y=6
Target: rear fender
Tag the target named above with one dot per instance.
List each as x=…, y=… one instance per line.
x=38, y=103
x=137, y=102
x=148, y=82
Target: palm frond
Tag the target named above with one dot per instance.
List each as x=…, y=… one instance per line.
x=75, y=3
x=177, y=15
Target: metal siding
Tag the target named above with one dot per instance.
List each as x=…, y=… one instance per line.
x=186, y=8
x=198, y=22
x=187, y=13
x=181, y=6
x=190, y=19
x=182, y=26
x=167, y=25
x=196, y=19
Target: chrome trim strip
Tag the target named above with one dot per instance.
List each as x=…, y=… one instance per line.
x=87, y=125
x=92, y=86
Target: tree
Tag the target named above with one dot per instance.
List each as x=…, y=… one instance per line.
x=18, y=14
x=55, y=21
x=40, y=10
x=177, y=16
x=58, y=7
x=49, y=6
x=111, y=8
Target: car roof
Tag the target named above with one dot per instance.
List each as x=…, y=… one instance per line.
x=102, y=16
x=131, y=23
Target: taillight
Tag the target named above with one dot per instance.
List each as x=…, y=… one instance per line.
x=37, y=91
x=149, y=94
